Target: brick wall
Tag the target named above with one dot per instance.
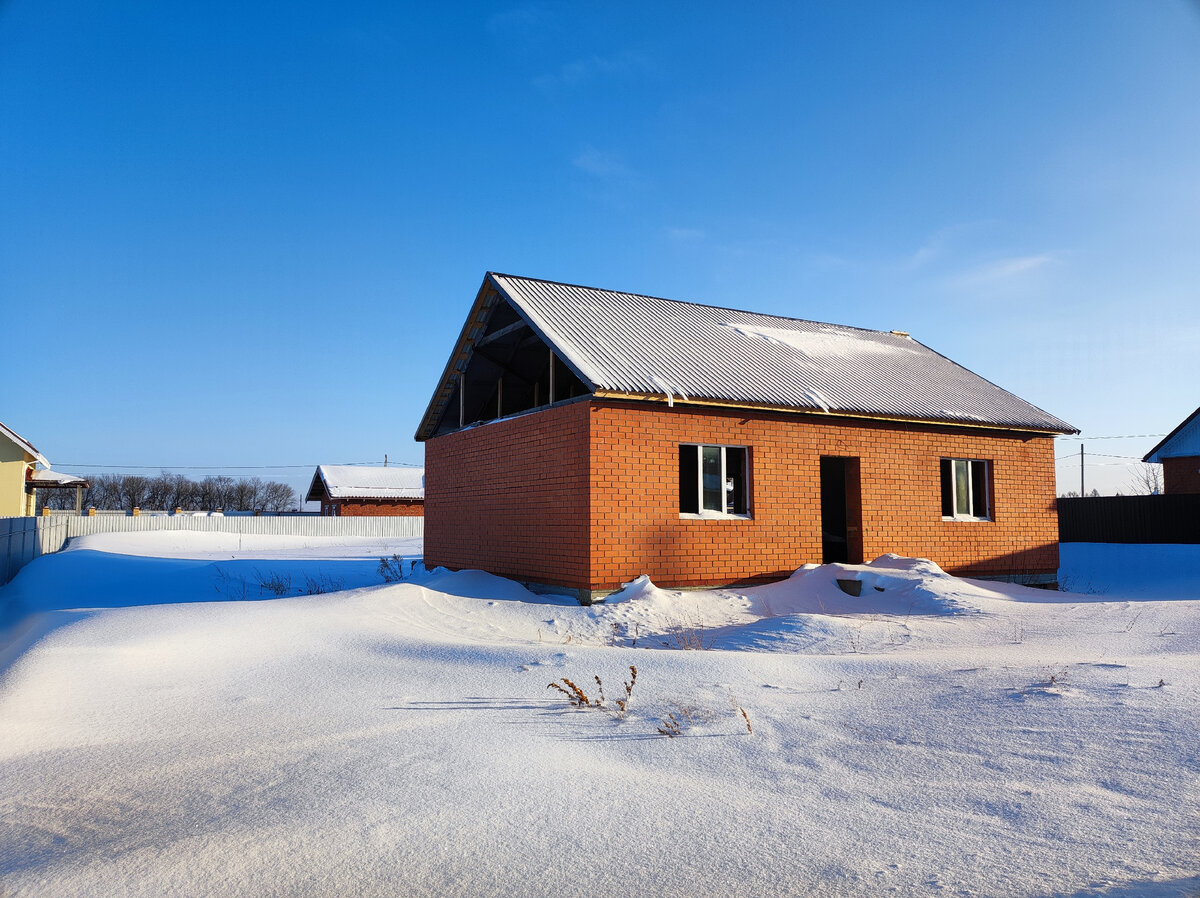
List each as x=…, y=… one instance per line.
x=1181, y=475
x=635, y=496
x=371, y=508
x=379, y=508
x=511, y=497
x=517, y=497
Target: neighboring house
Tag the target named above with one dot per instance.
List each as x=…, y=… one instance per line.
x=360, y=490
x=18, y=460
x=580, y=437
x=1179, y=455
x=20, y=476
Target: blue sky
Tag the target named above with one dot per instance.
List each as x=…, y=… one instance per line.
x=248, y=234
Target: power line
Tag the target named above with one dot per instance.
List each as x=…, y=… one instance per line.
x=225, y=467
x=1127, y=436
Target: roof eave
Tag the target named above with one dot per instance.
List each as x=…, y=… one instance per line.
x=317, y=481
x=795, y=410
x=24, y=445
x=1153, y=456
x=460, y=356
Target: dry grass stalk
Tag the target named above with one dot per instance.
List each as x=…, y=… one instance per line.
x=391, y=569
x=574, y=694
x=688, y=634
x=746, y=717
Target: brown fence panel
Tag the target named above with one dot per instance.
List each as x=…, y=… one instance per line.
x=1130, y=519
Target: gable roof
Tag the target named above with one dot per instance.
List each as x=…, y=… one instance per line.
x=1183, y=441
x=366, y=482
x=24, y=444
x=628, y=345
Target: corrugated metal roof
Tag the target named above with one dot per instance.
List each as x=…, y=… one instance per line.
x=630, y=343
x=367, y=482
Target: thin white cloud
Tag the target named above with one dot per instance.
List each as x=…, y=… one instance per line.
x=938, y=245
x=685, y=235
x=1002, y=270
x=518, y=21
x=578, y=71
x=600, y=164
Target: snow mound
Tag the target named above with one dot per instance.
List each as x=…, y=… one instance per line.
x=915, y=565
x=641, y=589
x=479, y=585
x=890, y=585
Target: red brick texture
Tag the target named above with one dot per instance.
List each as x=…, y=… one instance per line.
x=380, y=508
x=371, y=508
x=586, y=495
x=511, y=497
x=1181, y=475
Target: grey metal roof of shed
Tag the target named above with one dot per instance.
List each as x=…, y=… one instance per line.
x=631, y=344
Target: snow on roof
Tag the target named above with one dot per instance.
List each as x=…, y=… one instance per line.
x=1182, y=442
x=24, y=444
x=367, y=482
x=48, y=478
x=625, y=344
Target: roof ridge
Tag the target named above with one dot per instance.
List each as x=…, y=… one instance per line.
x=687, y=302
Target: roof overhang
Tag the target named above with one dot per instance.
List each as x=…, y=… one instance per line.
x=1155, y=455
x=793, y=410
x=53, y=480
x=491, y=294
x=24, y=445
x=317, y=490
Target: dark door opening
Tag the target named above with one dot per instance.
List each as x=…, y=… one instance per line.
x=841, y=537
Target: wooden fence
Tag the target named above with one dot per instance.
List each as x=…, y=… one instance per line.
x=1130, y=519
x=24, y=539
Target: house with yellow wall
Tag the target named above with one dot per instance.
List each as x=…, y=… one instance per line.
x=18, y=460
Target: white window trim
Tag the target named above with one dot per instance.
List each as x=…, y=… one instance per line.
x=987, y=468
x=709, y=514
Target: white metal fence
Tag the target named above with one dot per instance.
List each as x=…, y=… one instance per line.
x=24, y=539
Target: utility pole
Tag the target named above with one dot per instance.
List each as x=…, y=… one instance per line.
x=1081, y=492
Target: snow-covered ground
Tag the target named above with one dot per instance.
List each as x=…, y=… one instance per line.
x=168, y=726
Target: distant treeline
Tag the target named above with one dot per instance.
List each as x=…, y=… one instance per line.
x=166, y=492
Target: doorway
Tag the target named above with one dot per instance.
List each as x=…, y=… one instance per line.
x=841, y=511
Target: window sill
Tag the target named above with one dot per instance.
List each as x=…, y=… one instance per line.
x=713, y=516
x=964, y=519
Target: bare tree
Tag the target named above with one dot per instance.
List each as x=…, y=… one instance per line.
x=1147, y=480
x=135, y=491
x=216, y=491
x=187, y=493
x=246, y=494
x=105, y=491
x=162, y=492
x=168, y=491
x=278, y=497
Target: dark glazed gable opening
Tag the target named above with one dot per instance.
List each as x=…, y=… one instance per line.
x=511, y=370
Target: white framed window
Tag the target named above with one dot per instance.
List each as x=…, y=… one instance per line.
x=713, y=480
x=966, y=489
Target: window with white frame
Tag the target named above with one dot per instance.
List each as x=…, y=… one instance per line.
x=965, y=490
x=713, y=479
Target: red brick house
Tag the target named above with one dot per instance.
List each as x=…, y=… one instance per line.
x=363, y=490
x=580, y=437
x=1179, y=455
